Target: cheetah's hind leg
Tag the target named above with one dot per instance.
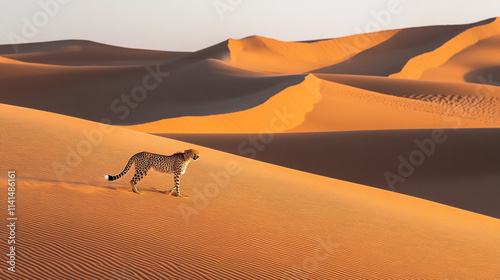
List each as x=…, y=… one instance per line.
x=137, y=177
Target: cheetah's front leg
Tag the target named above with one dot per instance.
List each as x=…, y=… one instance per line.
x=177, y=180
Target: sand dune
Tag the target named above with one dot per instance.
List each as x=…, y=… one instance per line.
x=345, y=108
x=9, y=61
x=83, y=53
x=140, y=93
x=475, y=64
x=417, y=65
x=321, y=105
x=108, y=83
x=280, y=113
x=461, y=172
x=267, y=55
x=265, y=222
x=395, y=54
x=415, y=89
x=381, y=53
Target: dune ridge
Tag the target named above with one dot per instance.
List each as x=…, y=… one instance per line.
x=83, y=53
x=477, y=63
x=417, y=65
x=260, y=224
x=391, y=56
x=280, y=113
x=324, y=105
x=261, y=54
x=410, y=87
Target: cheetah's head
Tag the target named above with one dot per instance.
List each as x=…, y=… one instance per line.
x=191, y=154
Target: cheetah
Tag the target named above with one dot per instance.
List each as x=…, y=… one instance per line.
x=176, y=164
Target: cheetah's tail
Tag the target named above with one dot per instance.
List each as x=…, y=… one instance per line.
x=125, y=170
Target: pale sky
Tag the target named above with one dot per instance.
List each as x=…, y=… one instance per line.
x=188, y=25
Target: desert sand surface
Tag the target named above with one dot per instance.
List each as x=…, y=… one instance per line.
x=263, y=221
x=295, y=142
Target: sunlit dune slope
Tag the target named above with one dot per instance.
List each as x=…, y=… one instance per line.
x=348, y=108
x=267, y=55
x=395, y=54
x=5, y=60
x=417, y=89
x=419, y=64
x=479, y=63
x=261, y=222
x=462, y=171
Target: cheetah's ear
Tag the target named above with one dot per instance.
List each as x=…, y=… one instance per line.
x=186, y=154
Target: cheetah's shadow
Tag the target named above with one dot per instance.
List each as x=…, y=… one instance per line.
x=162, y=191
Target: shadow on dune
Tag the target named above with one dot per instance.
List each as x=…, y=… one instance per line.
x=463, y=172
x=485, y=76
x=192, y=84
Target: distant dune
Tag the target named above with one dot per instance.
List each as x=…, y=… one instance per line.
x=393, y=55
x=417, y=65
x=83, y=53
x=273, y=56
x=475, y=64
x=108, y=83
x=133, y=94
x=262, y=222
